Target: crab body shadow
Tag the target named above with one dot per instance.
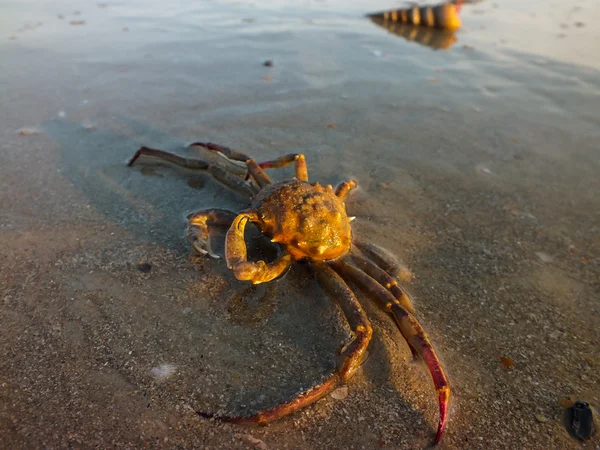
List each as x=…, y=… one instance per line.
x=309, y=223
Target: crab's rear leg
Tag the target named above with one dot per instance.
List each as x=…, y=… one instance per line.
x=230, y=180
x=201, y=228
x=237, y=254
x=384, y=279
x=297, y=158
x=380, y=256
x=411, y=330
x=352, y=355
x=414, y=333
x=254, y=169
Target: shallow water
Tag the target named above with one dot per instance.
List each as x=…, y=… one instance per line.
x=478, y=167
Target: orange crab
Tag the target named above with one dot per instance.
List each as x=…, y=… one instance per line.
x=309, y=223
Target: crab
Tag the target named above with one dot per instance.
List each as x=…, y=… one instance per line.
x=309, y=223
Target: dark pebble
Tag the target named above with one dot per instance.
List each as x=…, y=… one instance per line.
x=144, y=267
x=581, y=420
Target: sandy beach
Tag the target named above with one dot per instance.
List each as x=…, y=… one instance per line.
x=478, y=168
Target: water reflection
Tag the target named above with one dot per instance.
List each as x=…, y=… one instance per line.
x=431, y=37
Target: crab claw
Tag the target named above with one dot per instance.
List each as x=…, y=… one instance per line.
x=414, y=334
x=200, y=240
x=198, y=231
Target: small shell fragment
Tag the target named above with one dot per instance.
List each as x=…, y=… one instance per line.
x=88, y=124
x=163, y=371
x=28, y=131
x=340, y=393
x=508, y=363
x=251, y=440
x=481, y=169
x=544, y=257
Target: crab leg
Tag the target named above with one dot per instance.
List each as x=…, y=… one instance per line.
x=352, y=356
x=259, y=175
x=254, y=169
x=372, y=288
x=337, y=289
x=197, y=164
x=379, y=256
x=237, y=255
x=384, y=279
x=199, y=228
x=411, y=330
x=226, y=151
x=228, y=179
x=297, y=158
x=414, y=333
x=269, y=415
x=345, y=187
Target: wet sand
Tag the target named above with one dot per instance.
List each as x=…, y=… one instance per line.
x=478, y=167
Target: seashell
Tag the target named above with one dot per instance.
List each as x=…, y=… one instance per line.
x=444, y=16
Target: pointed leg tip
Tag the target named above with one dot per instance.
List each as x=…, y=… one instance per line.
x=439, y=434
x=444, y=396
x=215, y=417
x=200, y=250
x=205, y=415
x=133, y=158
